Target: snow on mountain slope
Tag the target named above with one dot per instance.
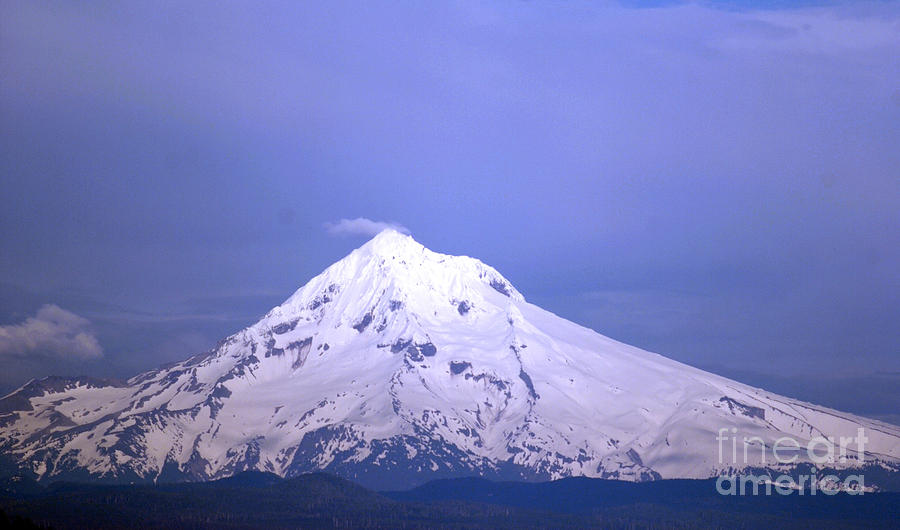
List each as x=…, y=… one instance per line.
x=397, y=365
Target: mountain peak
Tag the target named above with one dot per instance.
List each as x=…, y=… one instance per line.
x=391, y=242
x=390, y=270
x=398, y=364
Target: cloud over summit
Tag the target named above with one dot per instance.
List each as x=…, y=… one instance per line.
x=362, y=226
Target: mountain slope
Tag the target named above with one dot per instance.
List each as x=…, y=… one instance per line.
x=397, y=365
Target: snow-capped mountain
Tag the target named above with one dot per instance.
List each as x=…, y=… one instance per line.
x=397, y=365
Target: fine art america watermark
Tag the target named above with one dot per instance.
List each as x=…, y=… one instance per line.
x=749, y=452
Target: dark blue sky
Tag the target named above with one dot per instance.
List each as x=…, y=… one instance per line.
x=711, y=181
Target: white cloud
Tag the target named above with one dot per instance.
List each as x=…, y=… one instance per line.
x=362, y=226
x=52, y=331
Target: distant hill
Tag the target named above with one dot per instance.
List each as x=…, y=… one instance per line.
x=683, y=499
x=264, y=500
